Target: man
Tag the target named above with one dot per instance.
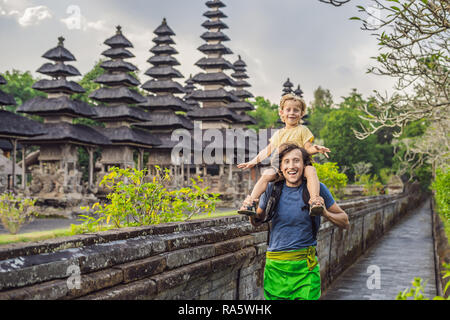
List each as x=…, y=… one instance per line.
x=292, y=270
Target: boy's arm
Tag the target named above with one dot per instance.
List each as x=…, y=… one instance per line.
x=313, y=149
x=259, y=158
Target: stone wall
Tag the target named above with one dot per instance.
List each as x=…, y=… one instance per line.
x=221, y=258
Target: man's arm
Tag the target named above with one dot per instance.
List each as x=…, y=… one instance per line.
x=260, y=216
x=337, y=216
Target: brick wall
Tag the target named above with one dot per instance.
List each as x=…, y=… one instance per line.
x=221, y=258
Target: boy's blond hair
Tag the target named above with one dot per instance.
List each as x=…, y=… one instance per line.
x=293, y=97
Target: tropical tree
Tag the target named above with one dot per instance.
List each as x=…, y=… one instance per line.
x=265, y=113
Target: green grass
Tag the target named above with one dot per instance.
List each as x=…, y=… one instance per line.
x=50, y=234
x=33, y=236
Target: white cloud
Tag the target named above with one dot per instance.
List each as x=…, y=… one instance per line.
x=34, y=15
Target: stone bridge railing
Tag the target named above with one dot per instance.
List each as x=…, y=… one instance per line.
x=221, y=258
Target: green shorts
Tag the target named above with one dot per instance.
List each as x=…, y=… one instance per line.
x=291, y=280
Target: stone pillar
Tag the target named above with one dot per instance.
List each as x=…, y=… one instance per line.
x=91, y=166
x=13, y=180
x=24, y=167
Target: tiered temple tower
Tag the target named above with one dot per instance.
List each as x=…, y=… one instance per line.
x=214, y=98
x=163, y=105
x=298, y=92
x=287, y=87
x=116, y=98
x=242, y=106
x=57, y=175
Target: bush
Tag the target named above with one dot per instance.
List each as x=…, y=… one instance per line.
x=330, y=176
x=372, y=187
x=15, y=212
x=135, y=202
x=441, y=186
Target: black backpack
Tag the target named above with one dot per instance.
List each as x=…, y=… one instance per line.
x=273, y=201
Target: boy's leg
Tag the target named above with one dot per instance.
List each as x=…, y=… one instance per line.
x=260, y=187
x=312, y=183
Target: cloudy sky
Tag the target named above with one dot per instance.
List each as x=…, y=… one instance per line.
x=312, y=43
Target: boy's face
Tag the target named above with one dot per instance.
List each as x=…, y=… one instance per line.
x=291, y=113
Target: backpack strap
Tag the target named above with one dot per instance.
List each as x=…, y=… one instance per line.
x=306, y=197
x=272, y=204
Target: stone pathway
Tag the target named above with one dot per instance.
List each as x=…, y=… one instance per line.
x=404, y=252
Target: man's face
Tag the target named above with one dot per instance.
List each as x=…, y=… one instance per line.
x=292, y=168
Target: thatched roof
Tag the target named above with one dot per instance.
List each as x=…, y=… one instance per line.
x=220, y=36
x=59, y=53
x=163, y=40
x=242, y=94
x=213, y=63
x=6, y=99
x=118, y=53
x=166, y=120
x=67, y=132
x=57, y=106
x=165, y=60
x=58, y=69
x=164, y=29
x=216, y=24
x=213, y=78
x=118, y=65
x=118, y=40
x=215, y=4
x=117, y=79
x=165, y=102
x=214, y=113
x=117, y=113
x=214, y=14
x=15, y=126
x=163, y=72
x=241, y=105
x=163, y=49
x=212, y=48
x=213, y=95
x=130, y=136
x=163, y=86
x=117, y=95
x=58, y=86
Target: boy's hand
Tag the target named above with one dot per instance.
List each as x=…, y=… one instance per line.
x=322, y=149
x=246, y=165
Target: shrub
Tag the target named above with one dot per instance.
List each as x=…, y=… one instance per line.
x=372, y=187
x=15, y=211
x=441, y=186
x=330, y=176
x=135, y=202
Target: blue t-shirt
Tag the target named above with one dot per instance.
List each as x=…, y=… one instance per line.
x=291, y=225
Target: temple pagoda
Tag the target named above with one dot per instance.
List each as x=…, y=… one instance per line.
x=287, y=87
x=161, y=103
x=57, y=174
x=117, y=100
x=13, y=128
x=298, y=92
x=214, y=98
x=240, y=84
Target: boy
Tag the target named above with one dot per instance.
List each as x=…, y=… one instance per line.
x=291, y=111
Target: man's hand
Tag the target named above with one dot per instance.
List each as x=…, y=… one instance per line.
x=322, y=149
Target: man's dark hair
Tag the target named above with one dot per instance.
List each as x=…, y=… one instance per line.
x=285, y=148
